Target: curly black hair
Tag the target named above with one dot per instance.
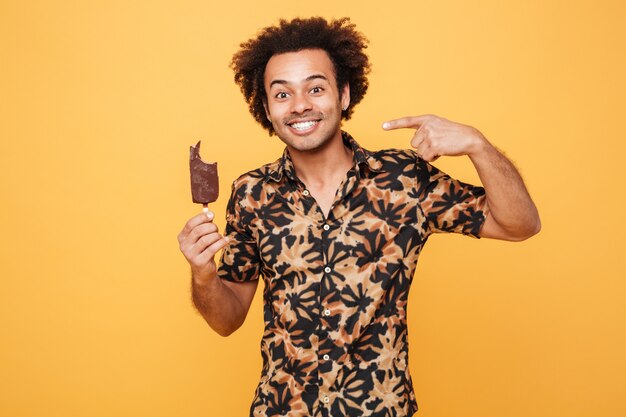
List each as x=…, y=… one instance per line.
x=339, y=38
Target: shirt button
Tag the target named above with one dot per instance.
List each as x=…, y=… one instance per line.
x=305, y=192
x=326, y=357
x=327, y=270
x=327, y=312
x=326, y=399
x=326, y=227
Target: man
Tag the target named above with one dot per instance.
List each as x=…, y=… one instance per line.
x=335, y=230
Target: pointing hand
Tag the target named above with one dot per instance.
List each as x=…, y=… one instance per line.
x=436, y=136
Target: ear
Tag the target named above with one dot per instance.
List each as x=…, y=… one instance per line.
x=267, y=110
x=345, y=96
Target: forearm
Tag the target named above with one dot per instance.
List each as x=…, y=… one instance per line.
x=512, y=215
x=217, y=304
x=508, y=200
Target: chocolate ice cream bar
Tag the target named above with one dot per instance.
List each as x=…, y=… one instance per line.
x=204, y=180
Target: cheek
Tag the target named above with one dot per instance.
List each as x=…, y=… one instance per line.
x=331, y=104
x=275, y=109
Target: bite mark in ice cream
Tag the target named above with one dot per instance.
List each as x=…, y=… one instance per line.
x=204, y=179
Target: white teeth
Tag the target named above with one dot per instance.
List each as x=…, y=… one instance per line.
x=303, y=125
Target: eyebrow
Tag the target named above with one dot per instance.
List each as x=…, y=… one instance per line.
x=309, y=78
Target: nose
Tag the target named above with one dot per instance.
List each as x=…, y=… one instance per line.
x=300, y=104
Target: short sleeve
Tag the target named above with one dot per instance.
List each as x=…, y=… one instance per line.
x=240, y=259
x=449, y=205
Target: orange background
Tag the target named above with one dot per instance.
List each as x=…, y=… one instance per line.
x=99, y=101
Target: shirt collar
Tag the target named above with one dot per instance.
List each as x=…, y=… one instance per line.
x=363, y=160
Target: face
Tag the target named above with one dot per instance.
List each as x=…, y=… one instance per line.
x=303, y=102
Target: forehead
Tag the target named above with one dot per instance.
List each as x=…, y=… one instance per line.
x=294, y=67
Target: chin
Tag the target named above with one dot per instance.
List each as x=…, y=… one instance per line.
x=305, y=144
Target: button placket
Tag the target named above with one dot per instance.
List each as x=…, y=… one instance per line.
x=325, y=390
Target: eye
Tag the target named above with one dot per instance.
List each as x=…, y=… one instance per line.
x=281, y=95
x=316, y=90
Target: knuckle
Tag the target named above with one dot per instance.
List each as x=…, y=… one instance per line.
x=201, y=231
x=210, y=239
x=184, y=248
x=193, y=235
x=209, y=254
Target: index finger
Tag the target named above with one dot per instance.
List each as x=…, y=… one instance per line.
x=195, y=221
x=412, y=122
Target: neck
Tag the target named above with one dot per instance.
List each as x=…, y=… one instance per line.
x=321, y=166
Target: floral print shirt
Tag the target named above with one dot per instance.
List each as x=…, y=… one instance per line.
x=336, y=288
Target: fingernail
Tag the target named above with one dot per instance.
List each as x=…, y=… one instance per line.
x=386, y=125
x=210, y=215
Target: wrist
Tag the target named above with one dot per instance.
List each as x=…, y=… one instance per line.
x=202, y=278
x=479, y=144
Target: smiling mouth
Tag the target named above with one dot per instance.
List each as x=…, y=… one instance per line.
x=301, y=126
